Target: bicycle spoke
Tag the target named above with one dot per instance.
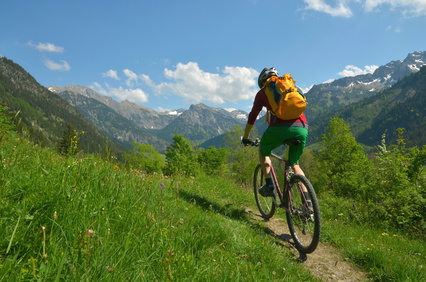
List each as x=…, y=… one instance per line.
x=266, y=205
x=303, y=216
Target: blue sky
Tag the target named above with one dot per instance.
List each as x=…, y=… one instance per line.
x=173, y=53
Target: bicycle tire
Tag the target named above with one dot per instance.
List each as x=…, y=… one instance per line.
x=303, y=222
x=266, y=205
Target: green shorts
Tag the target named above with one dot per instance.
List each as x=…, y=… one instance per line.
x=275, y=136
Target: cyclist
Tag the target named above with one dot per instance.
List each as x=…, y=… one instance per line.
x=277, y=132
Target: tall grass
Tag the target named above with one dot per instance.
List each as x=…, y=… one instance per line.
x=85, y=219
x=88, y=220
x=386, y=254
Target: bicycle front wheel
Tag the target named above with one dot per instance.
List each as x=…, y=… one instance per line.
x=266, y=205
x=303, y=214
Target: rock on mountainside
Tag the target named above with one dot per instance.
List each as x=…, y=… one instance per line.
x=201, y=123
x=128, y=122
x=111, y=122
x=142, y=116
x=344, y=91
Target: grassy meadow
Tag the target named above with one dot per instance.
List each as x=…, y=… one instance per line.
x=88, y=220
x=84, y=219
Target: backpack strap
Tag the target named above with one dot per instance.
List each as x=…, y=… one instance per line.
x=277, y=94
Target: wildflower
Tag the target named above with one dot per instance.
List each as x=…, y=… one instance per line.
x=162, y=186
x=90, y=233
x=116, y=166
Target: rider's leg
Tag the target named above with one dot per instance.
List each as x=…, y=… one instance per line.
x=266, y=165
x=268, y=188
x=297, y=169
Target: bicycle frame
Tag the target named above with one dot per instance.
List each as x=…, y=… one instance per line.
x=286, y=181
x=288, y=172
x=303, y=214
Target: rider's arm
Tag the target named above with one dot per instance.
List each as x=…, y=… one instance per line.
x=247, y=131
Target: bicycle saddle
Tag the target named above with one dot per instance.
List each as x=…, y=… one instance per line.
x=292, y=141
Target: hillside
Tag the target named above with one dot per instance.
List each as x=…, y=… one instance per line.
x=128, y=122
x=200, y=123
x=44, y=115
x=143, y=117
x=110, y=122
x=401, y=106
x=341, y=92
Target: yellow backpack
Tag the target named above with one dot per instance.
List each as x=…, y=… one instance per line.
x=283, y=96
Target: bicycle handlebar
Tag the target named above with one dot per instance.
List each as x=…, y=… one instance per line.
x=254, y=143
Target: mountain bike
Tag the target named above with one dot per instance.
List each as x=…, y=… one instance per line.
x=297, y=197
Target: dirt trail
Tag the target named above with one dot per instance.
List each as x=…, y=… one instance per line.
x=326, y=263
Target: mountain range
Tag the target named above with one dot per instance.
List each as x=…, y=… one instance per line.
x=333, y=95
x=390, y=88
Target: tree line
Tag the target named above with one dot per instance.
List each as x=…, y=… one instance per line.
x=385, y=188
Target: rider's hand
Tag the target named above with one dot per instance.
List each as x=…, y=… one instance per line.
x=246, y=142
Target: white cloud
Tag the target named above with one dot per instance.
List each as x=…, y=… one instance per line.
x=145, y=78
x=394, y=29
x=188, y=81
x=162, y=110
x=132, y=77
x=136, y=95
x=63, y=66
x=111, y=74
x=196, y=85
x=407, y=7
x=341, y=9
x=48, y=47
x=352, y=70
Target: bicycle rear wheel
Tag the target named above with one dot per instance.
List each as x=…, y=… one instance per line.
x=303, y=218
x=266, y=205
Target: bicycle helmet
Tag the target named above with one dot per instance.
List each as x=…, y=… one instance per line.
x=265, y=74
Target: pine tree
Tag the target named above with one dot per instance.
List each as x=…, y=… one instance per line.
x=180, y=157
x=69, y=144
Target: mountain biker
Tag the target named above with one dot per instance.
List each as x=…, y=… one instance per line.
x=277, y=132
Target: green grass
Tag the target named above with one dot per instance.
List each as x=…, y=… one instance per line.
x=84, y=219
x=88, y=220
x=386, y=255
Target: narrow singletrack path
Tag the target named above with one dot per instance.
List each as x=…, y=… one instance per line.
x=325, y=263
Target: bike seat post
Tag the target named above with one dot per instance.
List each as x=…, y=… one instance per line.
x=292, y=141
